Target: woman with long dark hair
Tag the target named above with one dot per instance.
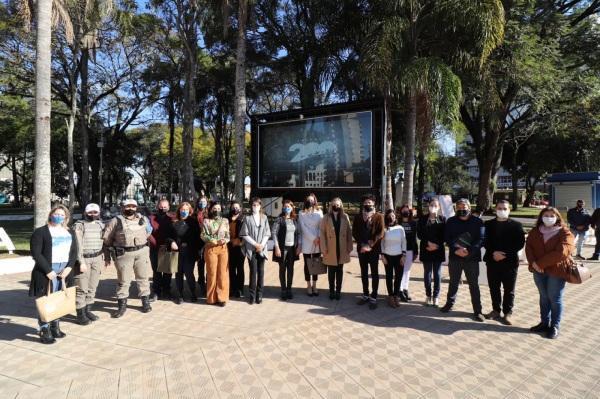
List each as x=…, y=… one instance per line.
x=285, y=247
x=235, y=248
x=393, y=251
x=412, y=249
x=309, y=222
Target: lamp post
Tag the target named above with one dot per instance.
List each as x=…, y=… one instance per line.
x=101, y=147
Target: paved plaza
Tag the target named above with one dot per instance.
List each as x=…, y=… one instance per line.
x=309, y=347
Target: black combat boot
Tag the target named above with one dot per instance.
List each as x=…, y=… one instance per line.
x=121, y=310
x=82, y=318
x=89, y=314
x=46, y=336
x=146, y=305
x=55, y=329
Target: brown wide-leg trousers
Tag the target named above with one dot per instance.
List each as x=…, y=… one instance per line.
x=217, y=274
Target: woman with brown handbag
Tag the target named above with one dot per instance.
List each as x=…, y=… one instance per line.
x=548, y=248
x=54, y=250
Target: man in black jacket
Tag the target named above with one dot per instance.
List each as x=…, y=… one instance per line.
x=579, y=220
x=463, y=237
x=504, y=238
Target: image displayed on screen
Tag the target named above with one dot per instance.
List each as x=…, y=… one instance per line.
x=331, y=151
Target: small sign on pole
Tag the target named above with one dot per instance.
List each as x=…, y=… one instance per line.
x=5, y=241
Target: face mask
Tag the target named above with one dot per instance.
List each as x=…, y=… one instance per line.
x=57, y=219
x=462, y=213
x=215, y=214
x=502, y=214
x=434, y=209
x=579, y=206
x=91, y=218
x=308, y=204
x=391, y=222
x=287, y=210
x=335, y=208
x=549, y=220
x=184, y=214
x=235, y=211
x=202, y=204
x=129, y=212
x=405, y=214
x=255, y=209
x=368, y=208
x=162, y=211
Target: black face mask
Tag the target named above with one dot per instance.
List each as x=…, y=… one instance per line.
x=335, y=208
x=308, y=204
x=462, y=213
x=390, y=222
x=129, y=212
x=368, y=208
x=235, y=211
x=91, y=218
x=215, y=214
x=162, y=211
x=405, y=214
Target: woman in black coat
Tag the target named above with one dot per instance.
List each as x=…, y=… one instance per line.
x=430, y=231
x=54, y=250
x=185, y=239
x=285, y=233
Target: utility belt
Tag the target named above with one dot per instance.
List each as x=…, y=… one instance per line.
x=93, y=254
x=121, y=250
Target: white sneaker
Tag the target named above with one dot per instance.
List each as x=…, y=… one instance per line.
x=429, y=301
x=436, y=302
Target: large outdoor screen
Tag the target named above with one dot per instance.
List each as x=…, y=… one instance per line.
x=329, y=152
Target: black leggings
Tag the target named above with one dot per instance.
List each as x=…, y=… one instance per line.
x=286, y=267
x=335, y=275
x=315, y=277
x=393, y=274
x=187, y=259
x=236, y=271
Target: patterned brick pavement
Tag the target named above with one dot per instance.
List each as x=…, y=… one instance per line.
x=305, y=348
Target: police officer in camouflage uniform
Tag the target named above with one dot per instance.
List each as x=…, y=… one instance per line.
x=128, y=235
x=88, y=233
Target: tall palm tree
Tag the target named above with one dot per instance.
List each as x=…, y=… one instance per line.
x=49, y=13
x=411, y=49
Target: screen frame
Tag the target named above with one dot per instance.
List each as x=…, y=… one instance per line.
x=376, y=109
x=370, y=112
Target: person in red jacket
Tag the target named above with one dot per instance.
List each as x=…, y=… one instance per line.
x=162, y=228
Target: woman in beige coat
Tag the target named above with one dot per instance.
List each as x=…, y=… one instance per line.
x=336, y=245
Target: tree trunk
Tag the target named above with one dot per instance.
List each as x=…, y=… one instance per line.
x=409, y=150
x=515, y=180
x=71, y=127
x=421, y=181
x=189, y=109
x=42, y=177
x=171, y=112
x=15, y=181
x=84, y=184
x=389, y=190
x=240, y=102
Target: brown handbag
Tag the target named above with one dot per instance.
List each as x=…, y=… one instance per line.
x=576, y=272
x=56, y=304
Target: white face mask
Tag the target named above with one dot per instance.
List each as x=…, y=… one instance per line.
x=255, y=209
x=549, y=220
x=502, y=214
x=434, y=209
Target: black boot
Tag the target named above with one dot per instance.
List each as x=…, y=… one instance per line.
x=202, y=290
x=407, y=295
x=121, y=310
x=89, y=313
x=55, y=329
x=146, y=305
x=46, y=336
x=82, y=318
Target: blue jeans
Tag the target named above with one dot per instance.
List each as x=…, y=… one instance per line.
x=551, y=298
x=434, y=268
x=579, y=239
x=56, y=285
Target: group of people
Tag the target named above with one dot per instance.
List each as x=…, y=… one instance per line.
x=217, y=246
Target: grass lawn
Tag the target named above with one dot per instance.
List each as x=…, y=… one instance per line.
x=19, y=232
x=525, y=213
